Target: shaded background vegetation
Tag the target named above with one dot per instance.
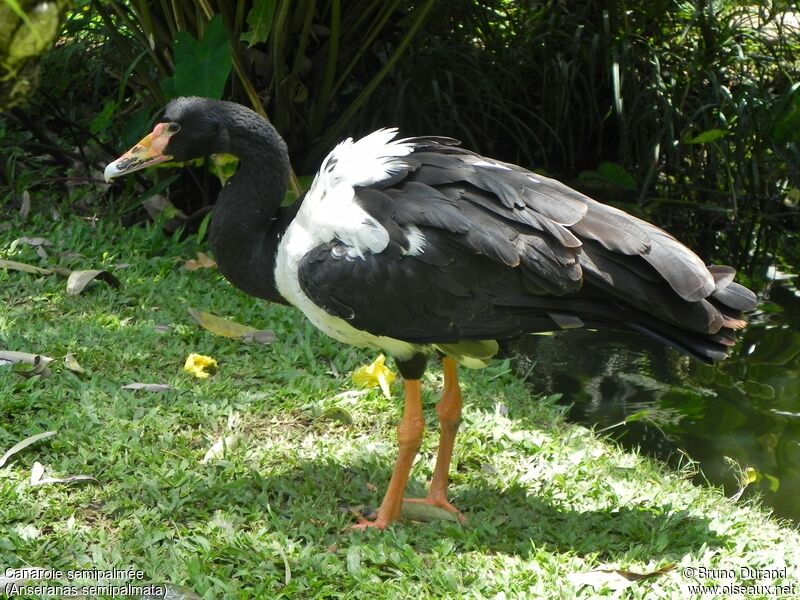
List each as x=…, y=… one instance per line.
x=658, y=103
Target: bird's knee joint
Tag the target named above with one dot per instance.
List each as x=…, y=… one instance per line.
x=409, y=432
x=450, y=422
x=449, y=414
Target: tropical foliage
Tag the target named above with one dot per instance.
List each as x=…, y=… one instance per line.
x=28, y=29
x=678, y=99
x=662, y=102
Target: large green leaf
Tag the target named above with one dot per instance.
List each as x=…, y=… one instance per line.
x=617, y=175
x=259, y=21
x=103, y=119
x=134, y=127
x=612, y=174
x=202, y=66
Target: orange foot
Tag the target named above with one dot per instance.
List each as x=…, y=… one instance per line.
x=381, y=521
x=439, y=502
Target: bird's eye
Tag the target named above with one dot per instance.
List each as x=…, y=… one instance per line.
x=173, y=127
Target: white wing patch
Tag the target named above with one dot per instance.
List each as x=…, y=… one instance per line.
x=416, y=241
x=371, y=159
x=329, y=209
x=332, y=213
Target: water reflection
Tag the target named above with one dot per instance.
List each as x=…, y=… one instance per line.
x=746, y=409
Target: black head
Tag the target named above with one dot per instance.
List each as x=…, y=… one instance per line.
x=192, y=127
x=199, y=127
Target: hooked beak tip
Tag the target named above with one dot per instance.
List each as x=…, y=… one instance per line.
x=110, y=171
x=148, y=151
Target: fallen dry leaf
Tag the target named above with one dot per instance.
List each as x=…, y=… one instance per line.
x=26, y=268
x=31, y=241
x=263, y=336
x=23, y=357
x=78, y=280
x=18, y=447
x=148, y=387
x=38, y=361
x=72, y=364
x=615, y=579
x=417, y=511
x=39, y=368
x=203, y=261
x=230, y=329
x=37, y=471
x=37, y=476
x=69, y=479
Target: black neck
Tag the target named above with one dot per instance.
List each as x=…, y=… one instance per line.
x=248, y=221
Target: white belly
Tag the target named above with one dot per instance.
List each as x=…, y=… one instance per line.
x=294, y=245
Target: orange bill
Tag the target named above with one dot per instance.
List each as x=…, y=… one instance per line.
x=149, y=151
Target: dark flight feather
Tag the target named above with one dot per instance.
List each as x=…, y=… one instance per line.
x=612, y=228
x=508, y=252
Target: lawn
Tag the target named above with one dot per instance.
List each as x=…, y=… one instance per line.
x=549, y=504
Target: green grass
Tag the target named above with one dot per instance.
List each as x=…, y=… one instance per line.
x=544, y=499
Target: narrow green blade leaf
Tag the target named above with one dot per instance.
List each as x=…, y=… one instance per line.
x=617, y=175
x=706, y=137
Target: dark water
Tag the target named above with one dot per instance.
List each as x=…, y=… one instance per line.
x=743, y=414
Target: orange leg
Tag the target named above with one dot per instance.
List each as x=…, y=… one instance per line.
x=449, y=410
x=409, y=437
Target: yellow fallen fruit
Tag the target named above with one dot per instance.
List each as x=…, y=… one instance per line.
x=376, y=374
x=199, y=365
